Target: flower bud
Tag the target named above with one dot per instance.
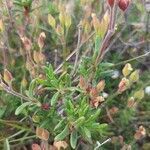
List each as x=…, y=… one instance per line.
x=123, y=85
x=45, y=106
x=123, y=4
x=134, y=77
x=51, y=21
x=111, y=3
x=127, y=69
x=139, y=94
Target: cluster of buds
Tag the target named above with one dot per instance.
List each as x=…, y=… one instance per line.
x=137, y=96
x=129, y=78
x=123, y=4
x=64, y=19
x=100, y=26
x=94, y=92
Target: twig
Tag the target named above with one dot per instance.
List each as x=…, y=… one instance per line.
x=11, y=91
x=109, y=115
x=56, y=57
x=132, y=59
x=100, y=144
x=24, y=138
x=77, y=53
x=109, y=34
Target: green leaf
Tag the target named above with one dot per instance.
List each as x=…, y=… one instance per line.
x=54, y=98
x=79, y=122
x=86, y=134
x=94, y=117
x=59, y=125
x=21, y=107
x=63, y=134
x=97, y=46
x=2, y=110
x=106, y=64
x=31, y=87
x=73, y=139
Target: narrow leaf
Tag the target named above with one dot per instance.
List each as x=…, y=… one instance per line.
x=73, y=139
x=21, y=107
x=54, y=98
x=63, y=134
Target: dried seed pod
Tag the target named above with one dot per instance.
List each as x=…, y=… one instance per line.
x=113, y=110
x=7, y=76
x=97, y=101
x=93, y=92
x=42, y=133
x=41, y=39
x=123, y=4
x=26, y=43
x=38, y=57
x=82, y=83
x=60, y=144
x=101, y=85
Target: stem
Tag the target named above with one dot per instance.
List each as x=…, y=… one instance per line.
x=77, y=52
x=132, y=59
x=24, y=138
x=11, y=91
x=110, y=32
x=60, y=66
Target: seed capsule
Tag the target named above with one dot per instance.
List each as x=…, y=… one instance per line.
x=123, y=4
x=111, y=3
